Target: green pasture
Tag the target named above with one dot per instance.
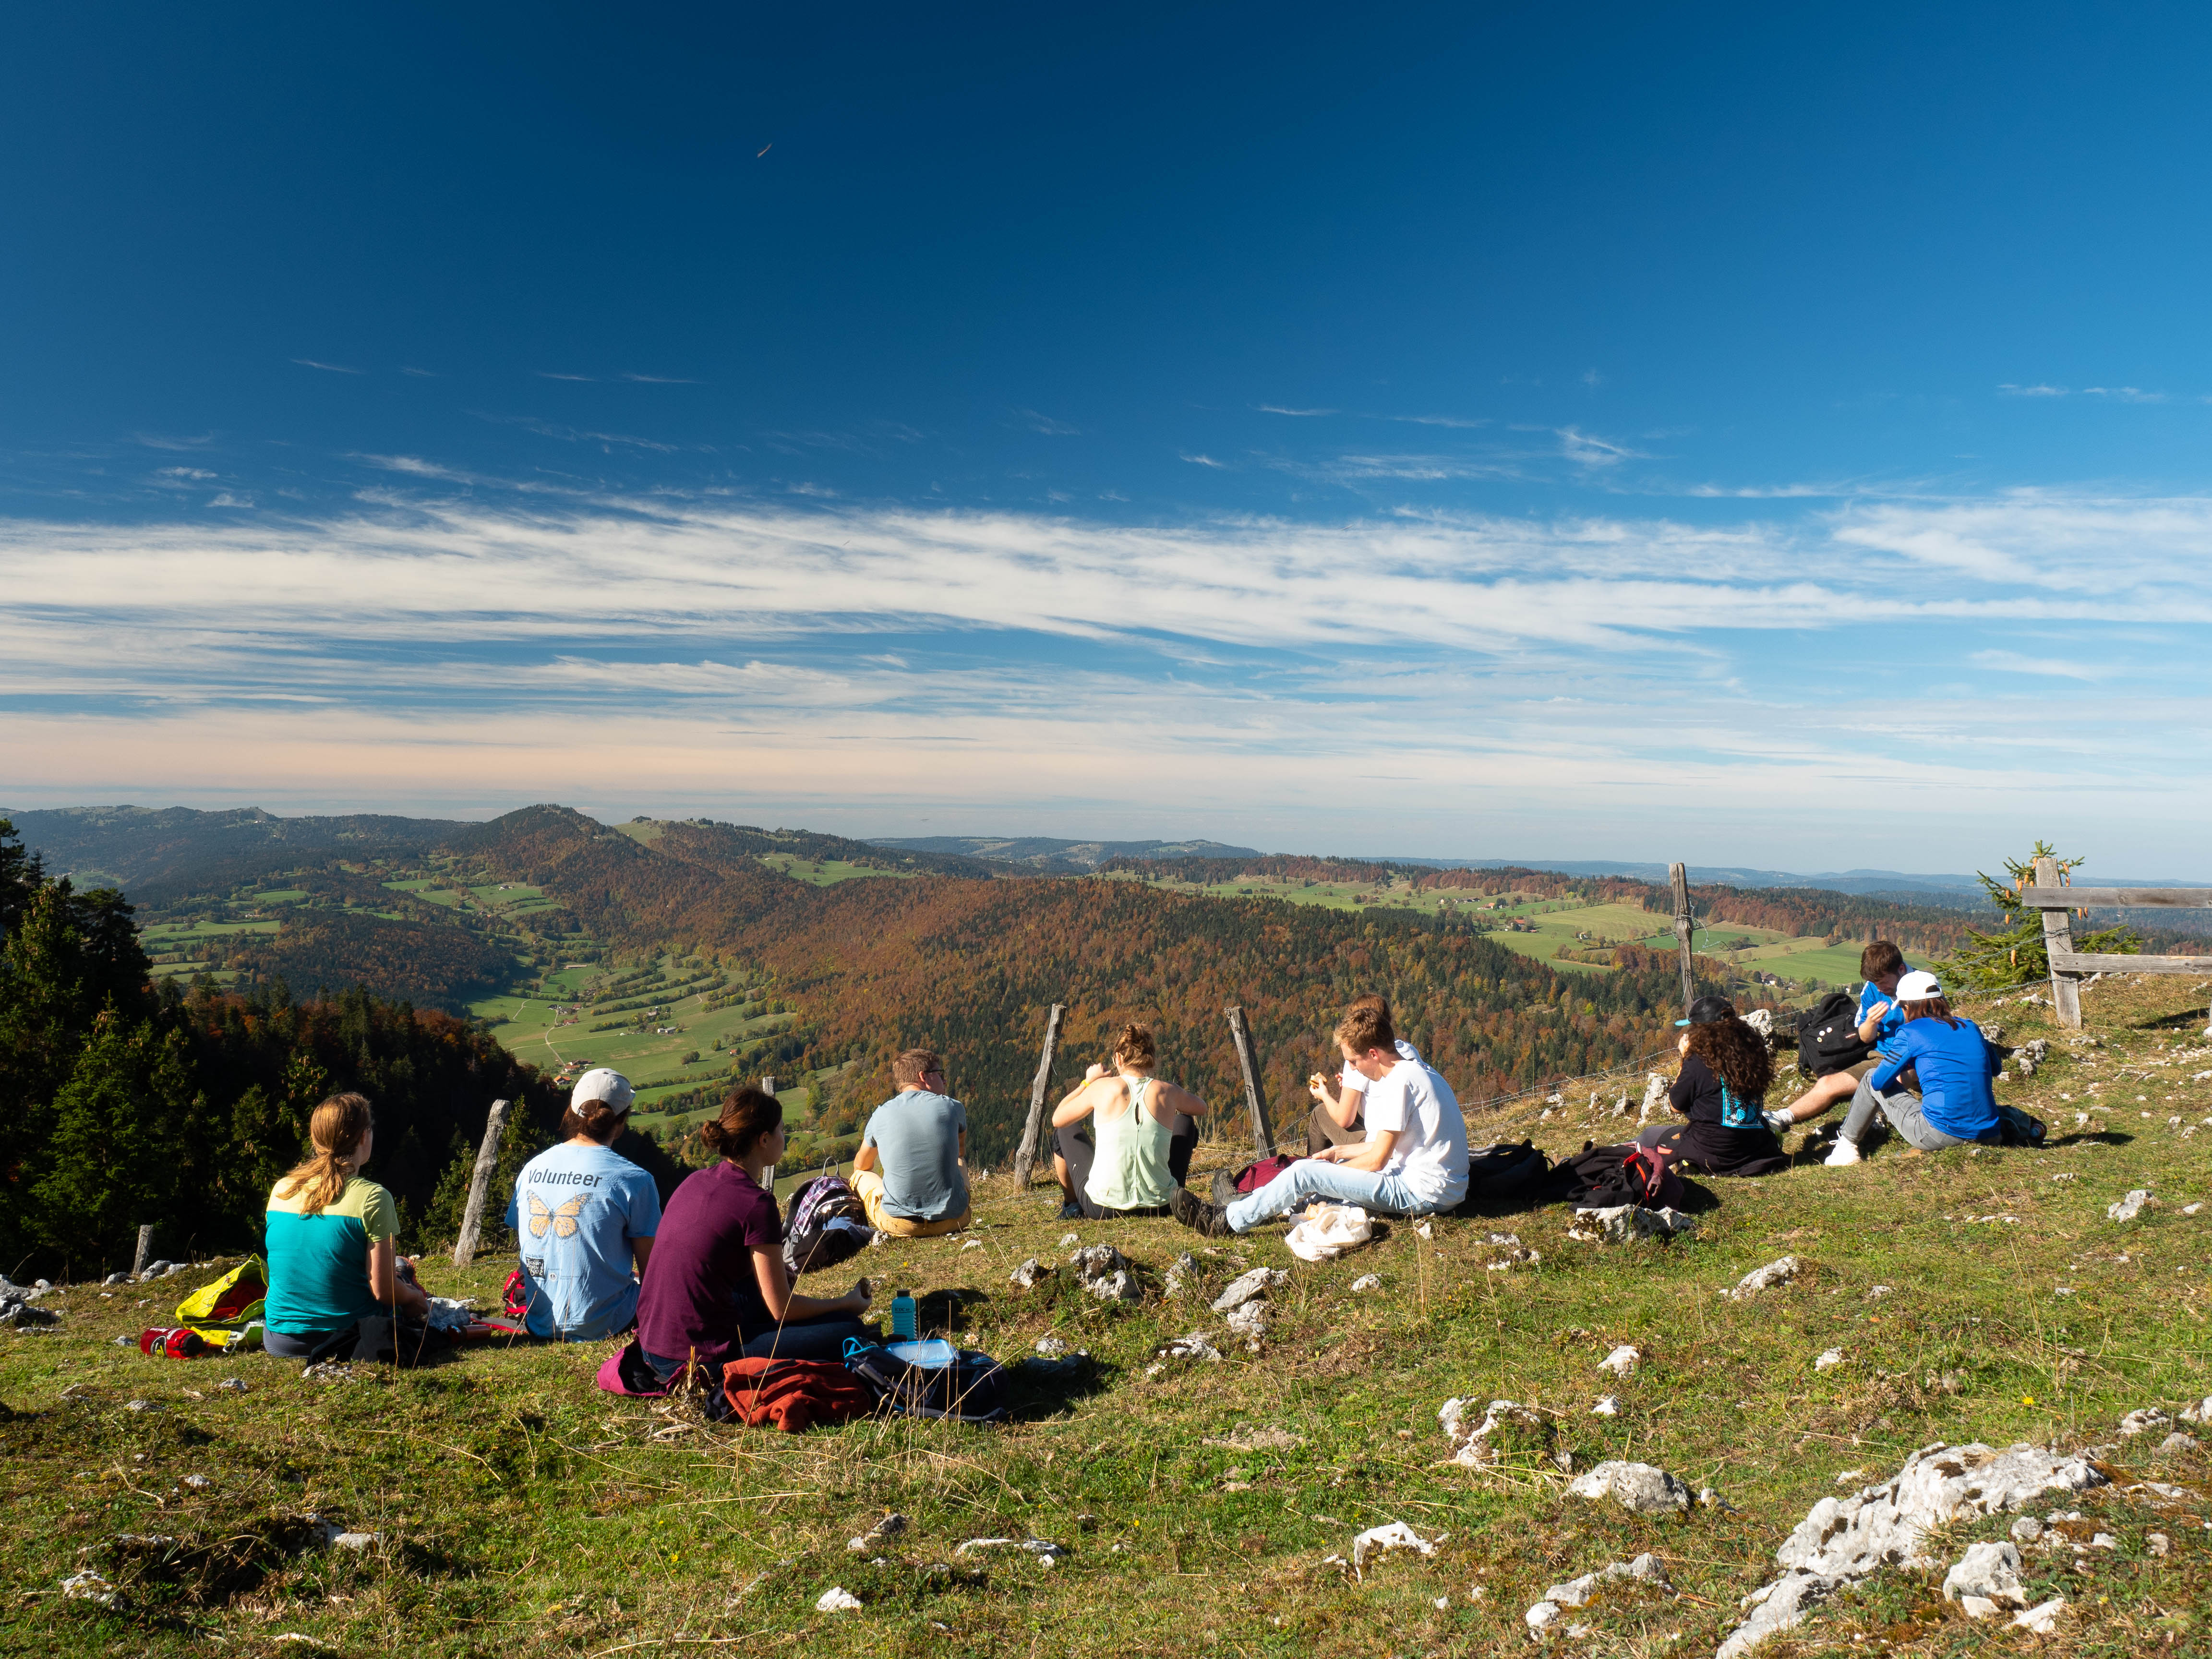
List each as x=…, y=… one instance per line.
x=825, y=872
x=282, y=895
x=1208, y=1509
x=529, y=1032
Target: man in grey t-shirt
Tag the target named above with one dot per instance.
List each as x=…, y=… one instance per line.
x=910, y=1170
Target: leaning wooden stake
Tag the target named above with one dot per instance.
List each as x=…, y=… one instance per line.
x=1677, y=876
x=1240, y=1034
x=1026, y=1154
x=145, y=1251
x=2058, y=940
x=465, y=1247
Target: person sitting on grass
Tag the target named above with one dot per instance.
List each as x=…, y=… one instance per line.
x=1337, y=1119
x=336, y=1281
x=1955, y=1064
x=715, y=1289
x=1414, y=1161
x=1142, y=1136
x=1721, y=1091
x=1879, y=1019
x=583, y=1214
x=910, y=1173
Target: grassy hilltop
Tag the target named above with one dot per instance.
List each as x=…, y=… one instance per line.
x=516, y=1510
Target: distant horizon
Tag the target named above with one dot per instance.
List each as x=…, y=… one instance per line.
x=1646, y=869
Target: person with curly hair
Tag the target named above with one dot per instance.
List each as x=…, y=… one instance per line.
x=1721, y=1092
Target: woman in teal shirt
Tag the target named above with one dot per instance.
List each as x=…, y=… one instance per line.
x=334, y=1281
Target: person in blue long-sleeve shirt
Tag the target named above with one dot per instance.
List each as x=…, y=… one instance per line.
x=1954, y=1065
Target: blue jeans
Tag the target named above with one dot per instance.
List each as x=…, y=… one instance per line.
x=1312, y=1177
x=1903, y=1110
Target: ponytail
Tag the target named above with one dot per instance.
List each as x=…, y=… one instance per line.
x=337, y=1128
x=746, y=1115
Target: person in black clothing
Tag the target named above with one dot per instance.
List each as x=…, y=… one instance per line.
x=1721, y=1091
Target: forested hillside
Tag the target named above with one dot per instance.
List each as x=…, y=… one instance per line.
x=123, y=1104
x=1801, y=912
x=971, y=967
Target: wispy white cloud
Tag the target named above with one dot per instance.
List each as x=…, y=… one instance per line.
x=1585, y=450
x=552, y=374
x=2012, y=662
x=1046, y=424
x=1680, y=673
x=659, y=379
x=1301, y=414
x=2121, y=394
x=328, y=368
x=1204, y=460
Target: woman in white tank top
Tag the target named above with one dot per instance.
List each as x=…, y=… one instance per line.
x=1141, y=1135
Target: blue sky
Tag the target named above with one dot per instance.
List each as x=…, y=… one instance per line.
x=1760, y=436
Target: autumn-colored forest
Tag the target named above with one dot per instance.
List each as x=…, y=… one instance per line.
x=969, y=968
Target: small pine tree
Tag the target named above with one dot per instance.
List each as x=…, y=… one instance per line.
x=2015, y=954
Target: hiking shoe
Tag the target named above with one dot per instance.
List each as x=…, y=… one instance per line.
x=1224, y=1188
x=1071, y=1211
x=1211, y=1220
x=1844, y=1152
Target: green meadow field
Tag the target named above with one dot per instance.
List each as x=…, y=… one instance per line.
x=1209, y=1509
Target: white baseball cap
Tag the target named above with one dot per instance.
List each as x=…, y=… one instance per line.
x=600, y=1083
x=1917, y=986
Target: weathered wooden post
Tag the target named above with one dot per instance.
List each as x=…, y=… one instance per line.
x=2058, y=940
x=1677, y=876
x=1240, y=1035
x=464, y=1247
x=145, y=1251
x=1026, y=1154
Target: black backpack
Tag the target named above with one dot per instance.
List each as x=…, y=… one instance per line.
x=810, y=1242
x=1600, y=1177
x=1828, y=1036
x=1510, y=1170
x=972, y=1389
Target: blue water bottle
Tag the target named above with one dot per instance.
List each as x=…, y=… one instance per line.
x=902, y=1317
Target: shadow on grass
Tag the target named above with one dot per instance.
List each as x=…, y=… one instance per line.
x=1037, y=1388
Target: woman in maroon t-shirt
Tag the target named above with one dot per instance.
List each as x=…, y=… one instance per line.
x=715, y=1288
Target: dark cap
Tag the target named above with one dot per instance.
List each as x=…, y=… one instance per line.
x=1707, y=1011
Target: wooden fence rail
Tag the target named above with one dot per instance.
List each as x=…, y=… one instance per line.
x=2068, y=964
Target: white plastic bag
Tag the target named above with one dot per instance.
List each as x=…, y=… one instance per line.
x=1328, y=1231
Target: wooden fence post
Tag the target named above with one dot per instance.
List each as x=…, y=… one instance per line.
x=145, y=1251
x=2058, y=936
x=1026, y=1154
x=464, y=1247
x=1677, y=876
x=1240, y=1035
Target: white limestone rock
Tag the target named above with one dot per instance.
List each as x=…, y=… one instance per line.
x=1761, y=1279
x=1622, y=1361
x=1988, y=1573
x=1842, y=1540
x=2141, y=1422
x=2130, y=1206
x=1641, y=1488
x=1247, y=1286
x=1624, y=1223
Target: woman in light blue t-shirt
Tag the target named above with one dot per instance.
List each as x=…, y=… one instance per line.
x=585, y=1217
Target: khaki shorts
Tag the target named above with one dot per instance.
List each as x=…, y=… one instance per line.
x=868, y=1186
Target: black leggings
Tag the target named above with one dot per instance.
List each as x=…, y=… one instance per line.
x=1182, y=1141
x=365, y=1338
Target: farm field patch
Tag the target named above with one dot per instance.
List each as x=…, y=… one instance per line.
x=825, y=872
